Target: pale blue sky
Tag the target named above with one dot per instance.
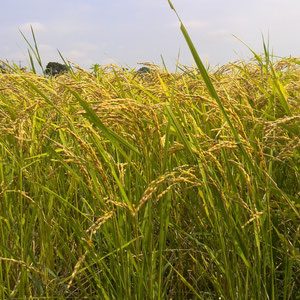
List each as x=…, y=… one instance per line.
x=126, y=32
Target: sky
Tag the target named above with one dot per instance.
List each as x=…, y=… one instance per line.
x=128, y=32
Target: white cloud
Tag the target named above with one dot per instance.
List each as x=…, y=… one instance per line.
x=75, y=54
x=191, y=24
x=110, y=61
x=37, y=27
x=46, y=47
x=195, y=24
x=86, y=46
x=219, y=34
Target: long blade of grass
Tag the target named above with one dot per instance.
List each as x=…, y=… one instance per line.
x=66, y=63
x=213, y=92
x=111, y=135
x=34, y=51
x=214, y=95
x=31, y=62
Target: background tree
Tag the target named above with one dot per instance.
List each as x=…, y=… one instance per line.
x=144, y=70
x=55, y=68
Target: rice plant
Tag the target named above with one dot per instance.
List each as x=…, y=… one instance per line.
x=163, y=185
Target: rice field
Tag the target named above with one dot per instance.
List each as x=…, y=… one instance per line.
x=184, y=185
x=117, y=186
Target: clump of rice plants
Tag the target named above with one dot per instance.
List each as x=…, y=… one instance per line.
x=118, y=186
x=161, y=186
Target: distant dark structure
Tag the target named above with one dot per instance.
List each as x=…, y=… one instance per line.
x=144, y=70
x=55, y=68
